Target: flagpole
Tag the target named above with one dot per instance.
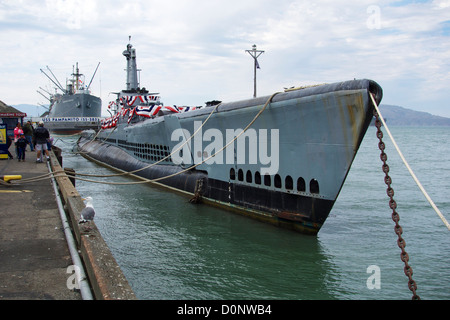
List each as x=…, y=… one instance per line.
x=254, y=79
x=255, y=54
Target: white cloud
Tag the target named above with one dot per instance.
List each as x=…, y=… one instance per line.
x=441, y=3
x=72, y=13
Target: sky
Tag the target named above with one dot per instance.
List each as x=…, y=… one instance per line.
x=193, y=51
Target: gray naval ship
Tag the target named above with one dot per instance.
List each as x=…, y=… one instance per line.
x=280, y=159
x=75, y=109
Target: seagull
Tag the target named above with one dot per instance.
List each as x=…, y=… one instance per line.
x=88, y=213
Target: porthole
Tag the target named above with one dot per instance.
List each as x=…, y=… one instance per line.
x=240, y=175
x=267, y=180
x=249, y=177
x=289, y=183
x=232, y=174
x=314, y=186
x=257, y=177
x=301, y=185
x=277, y=181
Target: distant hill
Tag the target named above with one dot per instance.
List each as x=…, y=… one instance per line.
x=399, y=116
x=31, y=110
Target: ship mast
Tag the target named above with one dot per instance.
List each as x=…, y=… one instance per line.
x=77, y=76
x=132, y=78
x=58, y=85
x=255, y=55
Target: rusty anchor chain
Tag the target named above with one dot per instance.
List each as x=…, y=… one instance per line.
x=393, y=205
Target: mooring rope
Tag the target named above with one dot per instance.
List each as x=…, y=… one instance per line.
x=155, y=163
x=408, y=167
x=196, y=165
x=52, y=174
x=169, y=176
x=101, y=142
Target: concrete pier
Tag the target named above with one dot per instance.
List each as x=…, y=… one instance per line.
x=35, y=261
x=33, y=250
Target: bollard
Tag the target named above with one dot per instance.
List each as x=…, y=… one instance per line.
x=7, y=178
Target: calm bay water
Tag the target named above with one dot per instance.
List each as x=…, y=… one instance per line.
x=170, y=249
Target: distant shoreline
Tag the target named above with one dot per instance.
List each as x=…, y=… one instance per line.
x=400, y=116
x=394, y=115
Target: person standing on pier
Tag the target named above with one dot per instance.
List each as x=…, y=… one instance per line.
x=17, y=132
x=41, y=135
x=28, y=132
x=8, y=143
x=21, y=147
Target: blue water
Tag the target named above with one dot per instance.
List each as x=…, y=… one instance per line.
x=170, y=249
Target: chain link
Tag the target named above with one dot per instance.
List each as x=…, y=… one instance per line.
x=393, y=205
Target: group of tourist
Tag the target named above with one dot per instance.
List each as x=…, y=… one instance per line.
x=38, y=139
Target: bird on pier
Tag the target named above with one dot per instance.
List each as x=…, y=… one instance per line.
x=88, y=213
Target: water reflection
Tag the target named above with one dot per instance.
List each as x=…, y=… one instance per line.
x=171, y=249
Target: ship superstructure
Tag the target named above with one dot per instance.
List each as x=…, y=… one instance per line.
x=74, y=108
